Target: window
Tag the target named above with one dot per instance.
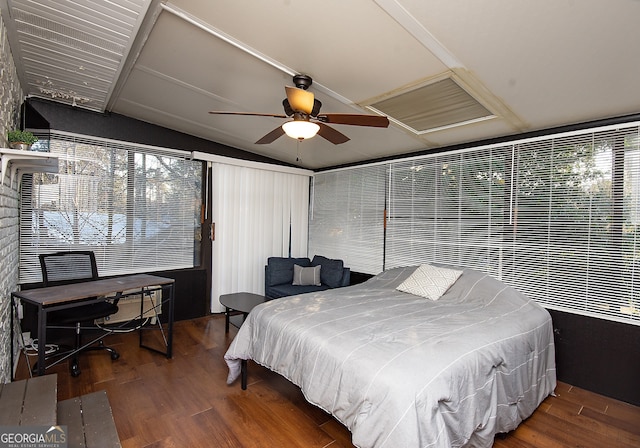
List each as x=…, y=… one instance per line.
x=556, y=216
x=573, y=244
x=346, y=218
x=449, y=208
x=136, y=207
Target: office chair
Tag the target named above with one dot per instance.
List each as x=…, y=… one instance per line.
x=63, y=268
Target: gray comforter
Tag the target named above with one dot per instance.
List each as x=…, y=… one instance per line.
x=404, y=371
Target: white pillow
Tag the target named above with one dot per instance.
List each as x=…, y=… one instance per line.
x=306, y=276
x=429, y=281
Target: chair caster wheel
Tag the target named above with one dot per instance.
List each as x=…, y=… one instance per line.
x=75, y=370
x=115, y=356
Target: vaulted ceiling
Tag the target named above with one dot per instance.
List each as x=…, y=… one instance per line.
x=445, y=71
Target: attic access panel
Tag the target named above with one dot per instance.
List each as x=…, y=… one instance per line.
x=438, y=105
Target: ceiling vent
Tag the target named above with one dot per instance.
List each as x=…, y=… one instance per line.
x=435, y=106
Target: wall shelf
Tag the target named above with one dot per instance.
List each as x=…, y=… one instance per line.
x=26, y=162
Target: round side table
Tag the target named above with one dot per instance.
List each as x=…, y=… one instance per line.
x=239, y=303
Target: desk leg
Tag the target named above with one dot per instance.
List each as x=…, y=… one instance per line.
x=226, y=319
x=42, y=339
x=168, y=339
x=172, y=297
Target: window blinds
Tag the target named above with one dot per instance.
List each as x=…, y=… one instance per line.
x=136, y=207
x=555, y=216
x=449, y=208
x=346, y=219
x=575, y=219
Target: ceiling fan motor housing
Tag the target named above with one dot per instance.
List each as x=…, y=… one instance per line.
x=302, y=81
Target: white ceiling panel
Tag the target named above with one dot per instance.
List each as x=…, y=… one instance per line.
x=553, y=62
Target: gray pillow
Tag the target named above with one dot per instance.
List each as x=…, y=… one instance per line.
x=306, y=276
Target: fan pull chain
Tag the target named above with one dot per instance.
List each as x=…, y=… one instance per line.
x=298, y=150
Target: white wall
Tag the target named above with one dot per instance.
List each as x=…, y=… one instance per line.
x=11, y=97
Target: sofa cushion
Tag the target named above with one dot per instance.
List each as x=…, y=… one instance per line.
x=281, y=269
x=275, y=292
x=303, y=276
x=331, y=271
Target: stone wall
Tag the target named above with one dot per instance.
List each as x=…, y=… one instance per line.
x=11, y=97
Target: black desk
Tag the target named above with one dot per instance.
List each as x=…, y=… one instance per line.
x=239, y=302
x=60, y=297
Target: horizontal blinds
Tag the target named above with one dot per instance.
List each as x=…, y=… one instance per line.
x=138, y=211
x=346, y=219
x=554, y=216
x=448, y=209
x=573, y=245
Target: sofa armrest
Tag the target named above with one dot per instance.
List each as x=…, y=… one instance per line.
x=267, y=280
x=346, y=277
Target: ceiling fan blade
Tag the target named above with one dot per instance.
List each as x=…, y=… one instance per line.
x=331, y=134
x=254, y=114
x=300, y=100
x=375, y=121
x=271, y=136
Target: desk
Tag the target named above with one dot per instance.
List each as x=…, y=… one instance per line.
x=55, y=298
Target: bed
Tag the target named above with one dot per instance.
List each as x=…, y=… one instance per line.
x=402, y=370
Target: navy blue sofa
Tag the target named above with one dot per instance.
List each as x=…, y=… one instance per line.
x=278, y=276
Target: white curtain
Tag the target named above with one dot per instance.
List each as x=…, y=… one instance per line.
x=258, y=213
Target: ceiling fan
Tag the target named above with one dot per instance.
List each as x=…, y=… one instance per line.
x=307, y=119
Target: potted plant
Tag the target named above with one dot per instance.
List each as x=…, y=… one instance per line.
x=21, y=139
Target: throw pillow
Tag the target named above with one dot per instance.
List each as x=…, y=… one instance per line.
x=306, y=276
x=429, y=281
x=331, y=273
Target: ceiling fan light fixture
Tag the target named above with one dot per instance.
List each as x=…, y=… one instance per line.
x=300, y=129
x=301, y=105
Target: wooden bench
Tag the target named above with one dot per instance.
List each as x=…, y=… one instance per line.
x=29, y=402
x=89, y=421
x=33, y=402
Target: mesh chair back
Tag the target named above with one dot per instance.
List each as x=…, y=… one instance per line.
x=62, y=268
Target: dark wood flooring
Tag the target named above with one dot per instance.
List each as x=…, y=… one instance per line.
x=185, y=402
